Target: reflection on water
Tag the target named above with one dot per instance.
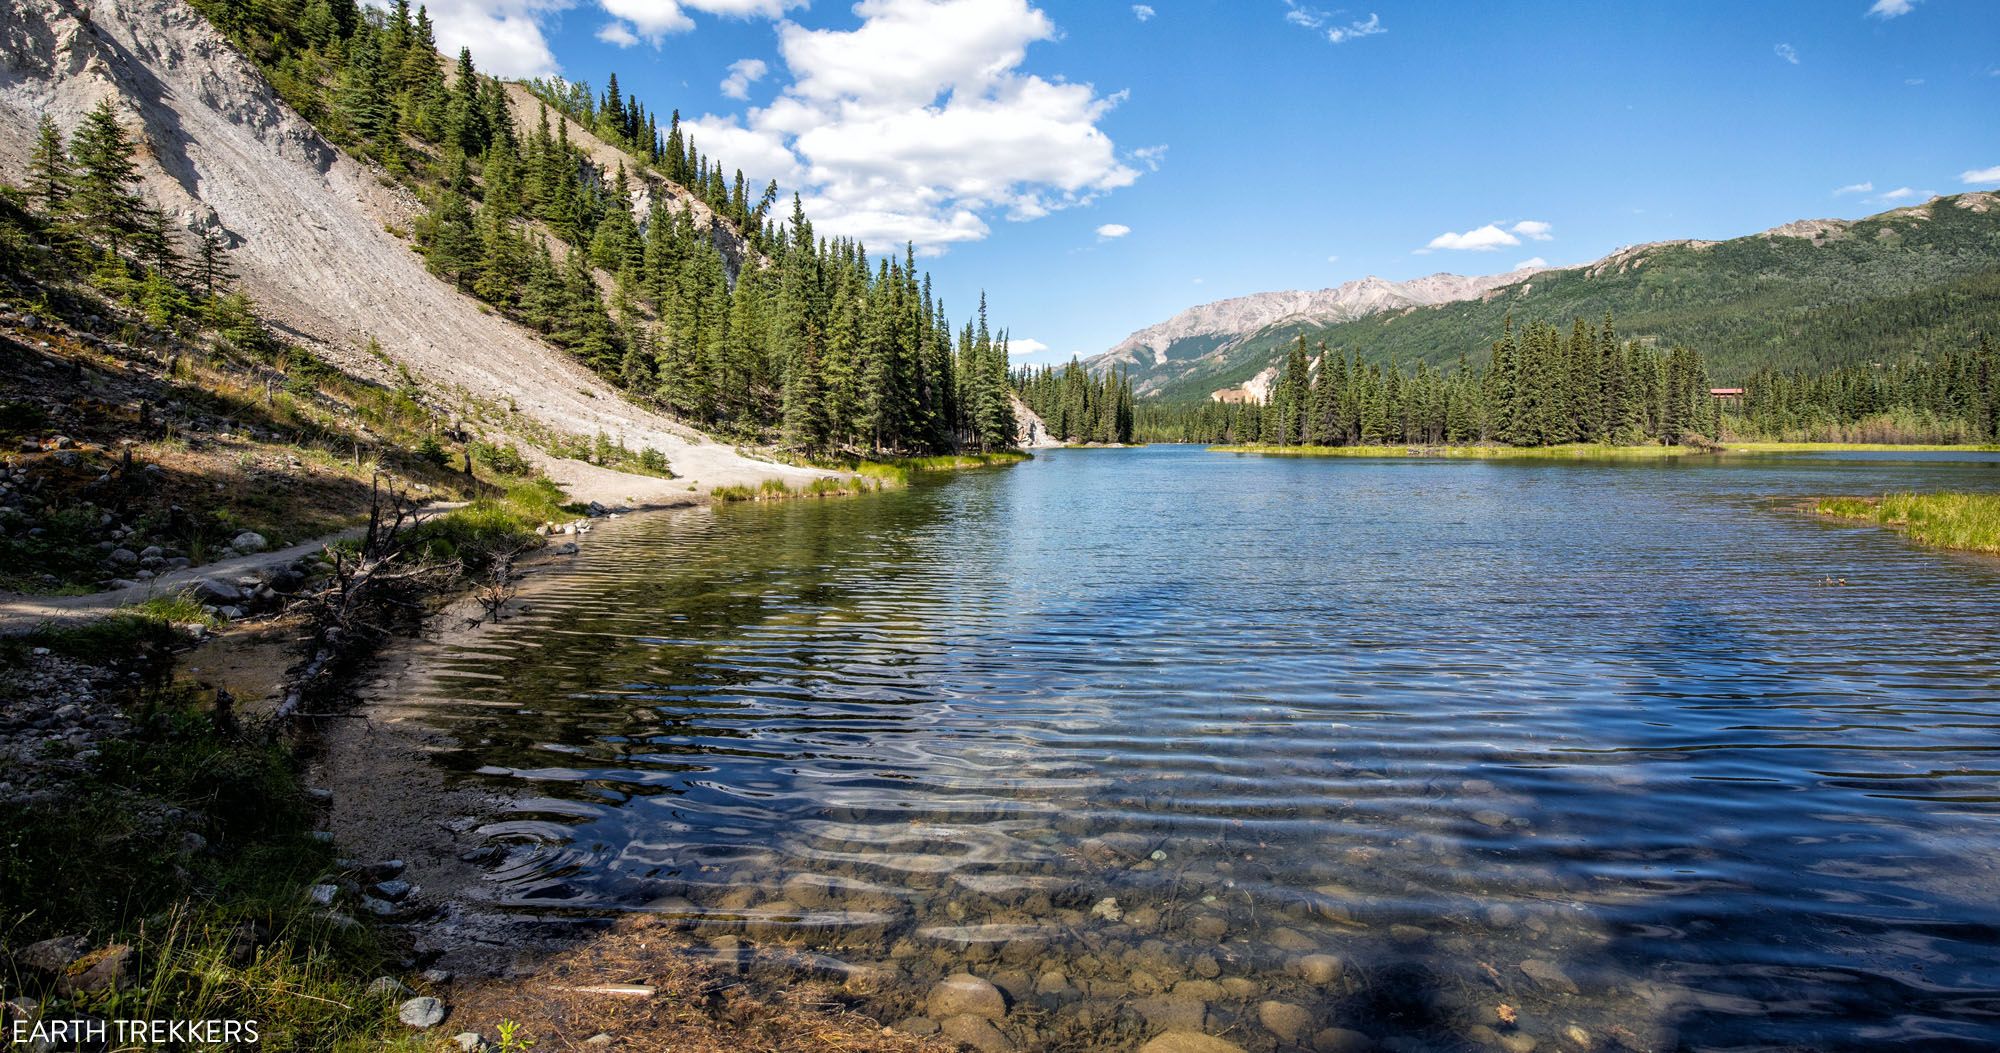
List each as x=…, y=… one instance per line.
x=1446, y=754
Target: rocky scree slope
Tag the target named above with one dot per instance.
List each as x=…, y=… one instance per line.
x=1200, y=338
x=312, y=228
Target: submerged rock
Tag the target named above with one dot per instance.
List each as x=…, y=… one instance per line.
x=1189, y=1042
x=1285, y=1020
x=977, y=1032
x=967, y=995
x=1318, y=969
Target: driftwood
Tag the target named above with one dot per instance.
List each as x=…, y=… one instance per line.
x=368, y=590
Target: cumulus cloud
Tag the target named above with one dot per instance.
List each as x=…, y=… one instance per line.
x=742, y=74
x=1142, y=12
x=1112, y=230
x=1980, y=176
x=505, y=35
x=1892, y=8
x=1788, y=53
x=918, y=125
x=1491, y=237
x=1023, y=347
x=1305, y=17
x=1480, y=239
x=652, y=20
x=617, y=33
x=1855, y=188
x=1531, y=263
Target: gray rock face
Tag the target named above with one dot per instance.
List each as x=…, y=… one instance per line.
x=966, y=995
x=421, y=1013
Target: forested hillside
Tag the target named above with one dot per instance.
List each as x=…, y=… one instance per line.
x=801, y=340
x=1539, y=385
x=1811, y=295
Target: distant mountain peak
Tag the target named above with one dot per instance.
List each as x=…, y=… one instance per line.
x=1240, y=317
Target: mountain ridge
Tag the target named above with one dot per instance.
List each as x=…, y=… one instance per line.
x=1759, y=299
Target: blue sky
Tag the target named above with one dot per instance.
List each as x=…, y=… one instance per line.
x=1095, y=167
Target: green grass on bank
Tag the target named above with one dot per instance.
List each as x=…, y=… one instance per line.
x=1966, y=522
x=186, y=840
x=1584, y=451
x=865, y=477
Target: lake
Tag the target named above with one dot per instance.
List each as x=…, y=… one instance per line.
x=1438, y=754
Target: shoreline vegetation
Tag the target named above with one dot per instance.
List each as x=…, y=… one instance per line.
x=1597, y=451
x=1961, y=522
x=865, y=477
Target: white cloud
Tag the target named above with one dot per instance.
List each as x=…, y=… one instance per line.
x=1142, y=12
x=505, y=35
x=1855, y=188
x=1980, y=175
x=1333, y=259
x=1532, y=262
x=1367, y=27
x=1903, y=193
x=1113, y=230
x=1788, y=53
x=1891, y=8
x=1151, y=156
x=1481, y=239
x=1022, y=347
x=654, y=19
x=742, y=74
x=1305, y=17
x=1913, y=82
x=617, y=33
x=1534, y=229
x=918, y=124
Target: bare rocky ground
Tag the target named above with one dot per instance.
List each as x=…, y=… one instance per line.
x=317, y=235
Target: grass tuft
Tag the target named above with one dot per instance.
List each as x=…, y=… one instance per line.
x=1961, y=521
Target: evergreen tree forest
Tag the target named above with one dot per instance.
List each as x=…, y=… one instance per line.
x=659, y=274
x=1076, y=406
x=80, y=212
x=1544, y=386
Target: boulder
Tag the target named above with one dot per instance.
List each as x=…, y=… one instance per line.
x=106, y=969
x=388, y=987
x=216, y=592
x=421, y=1013
x=966, y=995
x=249, y=541
x=52, y=956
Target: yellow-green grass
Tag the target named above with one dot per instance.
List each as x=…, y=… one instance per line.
x=1962, y=521
x=1585, y=451
x=779, y=490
